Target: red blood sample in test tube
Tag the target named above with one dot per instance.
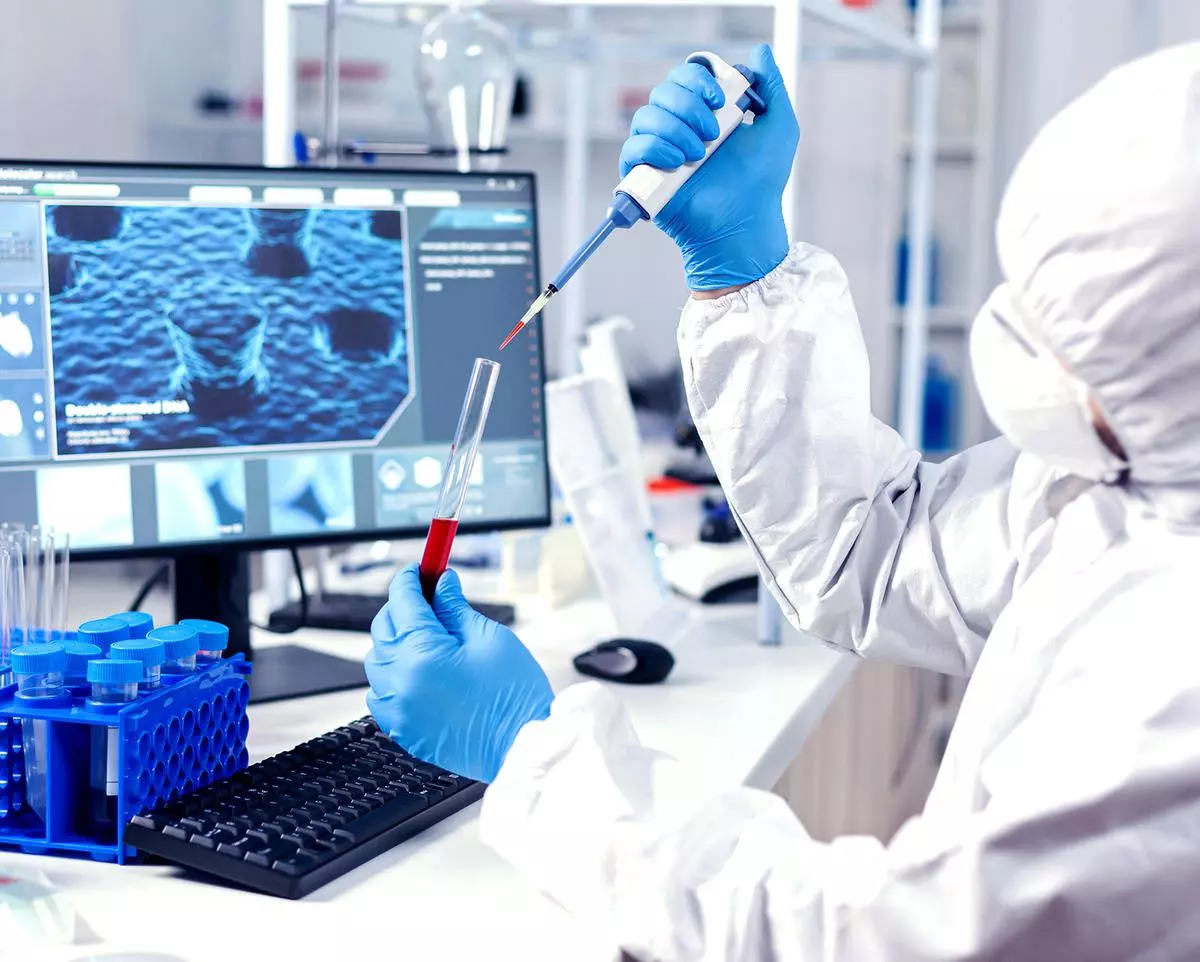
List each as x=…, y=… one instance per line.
x=457, y=475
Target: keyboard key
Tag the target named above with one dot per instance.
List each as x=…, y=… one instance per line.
x=176, y=830
x=312, y=834
x=264, y=834
x=373, y=823
x=298, y=864
x=214, y=838
x=155, y=821
x=241, y=848
x=302, y=816
x=267, y=857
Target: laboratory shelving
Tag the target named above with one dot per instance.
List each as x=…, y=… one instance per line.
x=966, y=198
x=864, y=34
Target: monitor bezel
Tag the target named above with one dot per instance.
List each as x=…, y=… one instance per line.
x=325, y=538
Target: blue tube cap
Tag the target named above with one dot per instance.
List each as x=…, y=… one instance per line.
x=103, y=632
x=138, y=622
x=38, y=658
x=79, y=653
x=114, y=671
x=150, y=653
x=179, y=641
x=213, y=635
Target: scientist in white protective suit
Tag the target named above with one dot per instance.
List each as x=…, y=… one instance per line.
x=1058, y=565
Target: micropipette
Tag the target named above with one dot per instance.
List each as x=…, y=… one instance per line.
x=646, y=190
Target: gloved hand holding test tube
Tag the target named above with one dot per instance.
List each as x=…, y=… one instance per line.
x=457, y=475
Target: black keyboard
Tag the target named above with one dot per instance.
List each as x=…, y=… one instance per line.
x=335, y=611
x=300, y=819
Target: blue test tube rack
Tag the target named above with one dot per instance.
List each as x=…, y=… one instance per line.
x=170, y=742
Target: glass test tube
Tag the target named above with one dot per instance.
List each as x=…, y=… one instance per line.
x=457, y=475
x=12, y=600
x=47, y=583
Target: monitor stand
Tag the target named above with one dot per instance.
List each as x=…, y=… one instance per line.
x=216, y=585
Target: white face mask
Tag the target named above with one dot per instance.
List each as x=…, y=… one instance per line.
x=1034, y=402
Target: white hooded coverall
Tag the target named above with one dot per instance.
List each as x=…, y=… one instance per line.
x=1065, y=821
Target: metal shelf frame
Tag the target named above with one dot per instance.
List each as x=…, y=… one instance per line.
x=868, y=37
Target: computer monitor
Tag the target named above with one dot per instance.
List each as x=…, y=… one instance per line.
x=200, y=361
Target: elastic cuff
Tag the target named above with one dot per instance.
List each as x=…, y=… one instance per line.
x=710, y=267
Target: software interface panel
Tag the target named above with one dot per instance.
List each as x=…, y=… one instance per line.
x=190, y=356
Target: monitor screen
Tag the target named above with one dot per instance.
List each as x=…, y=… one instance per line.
x=198, y=356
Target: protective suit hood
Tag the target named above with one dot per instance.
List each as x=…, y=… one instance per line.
x=1099, y=242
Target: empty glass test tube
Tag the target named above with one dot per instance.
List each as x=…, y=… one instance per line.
x=47, y=583
x=12, y=601
x=457, y=475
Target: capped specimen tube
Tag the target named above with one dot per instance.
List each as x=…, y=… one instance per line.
x=180, y=644
x=149, y=652
x=214, y=639
x=38, y=669
x=457, y=475
x=114, y=684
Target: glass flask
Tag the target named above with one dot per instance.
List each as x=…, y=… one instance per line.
x=466, y=72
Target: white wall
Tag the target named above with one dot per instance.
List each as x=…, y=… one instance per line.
x=67, y=87
x=1054, y=51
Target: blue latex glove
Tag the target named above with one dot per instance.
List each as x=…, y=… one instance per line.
x=728, y=218
x=449, y=685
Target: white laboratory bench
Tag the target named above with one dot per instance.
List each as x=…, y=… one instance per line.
x=736, y=711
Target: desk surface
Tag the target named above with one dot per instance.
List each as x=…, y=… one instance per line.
x=737, y=711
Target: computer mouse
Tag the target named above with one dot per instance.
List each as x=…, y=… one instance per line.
x=626, y=660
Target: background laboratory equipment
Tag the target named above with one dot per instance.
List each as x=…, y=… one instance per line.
x=149, y=653
x=601, y=482
x=466, y=72
x=457, y=474
x=38, y=668
x=114, y=683
x=180, y=645
x=646, y=190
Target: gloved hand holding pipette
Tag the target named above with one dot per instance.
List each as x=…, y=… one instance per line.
x=687, y=124
x=727, y=219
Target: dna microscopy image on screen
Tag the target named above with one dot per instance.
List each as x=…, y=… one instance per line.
x=215, y=327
